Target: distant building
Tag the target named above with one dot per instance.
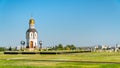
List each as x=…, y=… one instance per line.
x=105, y=47
x=98, y=47
x=117, y=48
x=31, y=35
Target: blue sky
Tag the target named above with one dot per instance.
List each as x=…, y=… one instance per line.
x=78, y=22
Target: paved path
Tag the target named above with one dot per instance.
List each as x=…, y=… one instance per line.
x=65, y=61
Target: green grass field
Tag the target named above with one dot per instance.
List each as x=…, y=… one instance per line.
x=52, y=61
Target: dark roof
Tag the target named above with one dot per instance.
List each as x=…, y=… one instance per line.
x=31, y=30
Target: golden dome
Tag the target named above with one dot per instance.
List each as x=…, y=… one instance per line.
x=32, y=21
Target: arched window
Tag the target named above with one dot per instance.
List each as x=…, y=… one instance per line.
x=31, y=35
x=35, y=35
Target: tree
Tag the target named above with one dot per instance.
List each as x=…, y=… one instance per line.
x=60, y=47
x=10, y=49
x=67, y=48
x=55, y=47
x=15, y=49
x=73, y=47
x=2, y=49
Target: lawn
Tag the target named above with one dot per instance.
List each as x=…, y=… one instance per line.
x=55, y=61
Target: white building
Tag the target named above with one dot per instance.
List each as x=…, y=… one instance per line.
x=31, y=36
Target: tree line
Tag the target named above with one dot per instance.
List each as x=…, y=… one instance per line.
x=61, y=47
